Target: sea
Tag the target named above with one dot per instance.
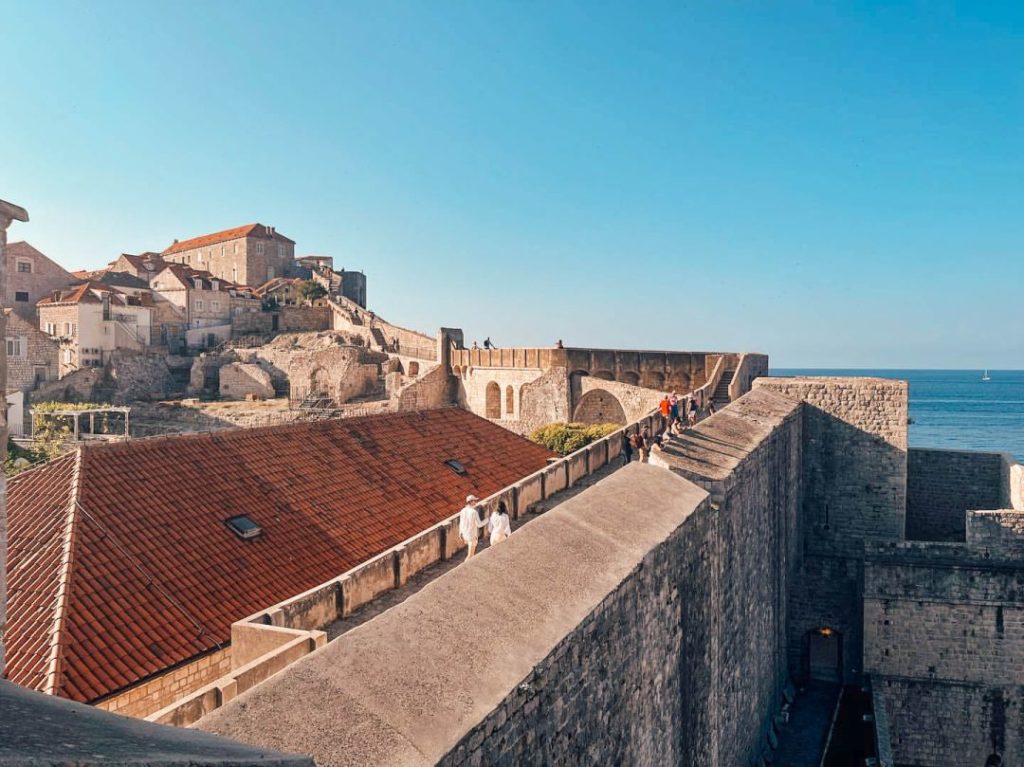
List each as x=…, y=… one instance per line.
x=955, y=409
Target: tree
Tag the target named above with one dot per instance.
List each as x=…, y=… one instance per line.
x=567, y=438
x=311, y=290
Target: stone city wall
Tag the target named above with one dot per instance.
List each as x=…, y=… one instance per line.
x=600, y=401
x=944, y=642
x=239, y=380
x=143, y=699
x=854, y=490
x=943, y=484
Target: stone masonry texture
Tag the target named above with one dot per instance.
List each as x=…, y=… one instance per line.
x=943, y=484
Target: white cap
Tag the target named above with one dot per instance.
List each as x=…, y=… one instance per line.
x=470, y=498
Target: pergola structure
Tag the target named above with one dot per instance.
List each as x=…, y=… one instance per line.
x=76, y=416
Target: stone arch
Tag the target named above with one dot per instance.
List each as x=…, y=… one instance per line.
x=599, y=406
x=630, y=377
x=414, y=368
x=457, y=371
x=605, y=375
x=492, y=400
x=510, y=401
x=654, y=380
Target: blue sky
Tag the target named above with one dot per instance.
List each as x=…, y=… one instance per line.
x=834, y=184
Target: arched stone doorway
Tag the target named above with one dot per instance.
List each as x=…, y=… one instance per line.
x=492, y=400
x=414, y=368
x=599, y=406
x=510, y=401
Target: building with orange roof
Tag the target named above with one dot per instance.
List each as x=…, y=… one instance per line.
x=244, y=255
x=91, y=320
x=130, y=561
x=203, y=302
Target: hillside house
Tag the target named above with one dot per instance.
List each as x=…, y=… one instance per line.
x=203, y=303
x=245, y=255
x=32, y=356
x=92, y=320
x=144, y=266
x=226, y=524
x=30, y=276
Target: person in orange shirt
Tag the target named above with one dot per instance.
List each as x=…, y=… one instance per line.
x=665, y=406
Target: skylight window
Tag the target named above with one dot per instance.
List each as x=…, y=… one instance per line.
x=244, y=527
x=455, y=466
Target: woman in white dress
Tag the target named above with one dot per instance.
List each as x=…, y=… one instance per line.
x=499, y=524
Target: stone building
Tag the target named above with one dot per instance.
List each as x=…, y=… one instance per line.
x=30, y=276
x=202, y=303
x=32, y=356
x=92, y=320
x=144, y=266
x=8, y=214
x=245, y=255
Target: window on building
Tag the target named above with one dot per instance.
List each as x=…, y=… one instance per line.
x=24, y=266
x=199, y=256
x=455, y=466
x=21, y=295
x=281, y=250
x=234, y=274
x=51, y=329
x=215, y=306
x=74, y=328
x=259, y=248
x=67, y=356
x=243, y=526
x=199, y=304
x=67, y=328
x=40, y=375
x=15, y=346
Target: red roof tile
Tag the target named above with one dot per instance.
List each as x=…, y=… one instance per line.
x=153, y=574
x=249, y=230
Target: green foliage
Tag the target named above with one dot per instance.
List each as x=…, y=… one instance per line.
x=565, y=438
x=19, y=458
x=311, y=290
x=52, y=432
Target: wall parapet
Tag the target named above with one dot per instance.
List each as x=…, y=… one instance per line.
x=271, y=639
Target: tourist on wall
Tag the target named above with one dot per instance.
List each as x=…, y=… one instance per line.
x=673, y=409
x=499, y=524
x=691, y=406
x=665, y=406
x=628, y=443
x=645, y=444
x=470, y=524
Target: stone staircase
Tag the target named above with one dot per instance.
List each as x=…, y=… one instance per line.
x=721, y=395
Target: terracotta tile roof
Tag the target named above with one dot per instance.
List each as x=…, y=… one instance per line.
x=275, y=283
x=187, y=276
x=143, y=262
x=249, y=230
x=86, y=293
x=153, y=574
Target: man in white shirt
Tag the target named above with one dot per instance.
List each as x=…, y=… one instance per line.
x=470, y=524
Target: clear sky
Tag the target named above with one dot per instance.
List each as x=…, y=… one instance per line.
x=834, y=184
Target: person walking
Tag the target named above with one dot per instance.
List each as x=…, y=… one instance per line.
x=645, y=445
x=665, y=406
x=627, y=448
x=692, y=414
x=470, y=524
x=673, y=409
x=499, y=524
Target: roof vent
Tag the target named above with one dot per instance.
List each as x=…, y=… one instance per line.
x=455, y=466
x=244, y=527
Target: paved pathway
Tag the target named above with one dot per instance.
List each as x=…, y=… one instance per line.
x=802, y=740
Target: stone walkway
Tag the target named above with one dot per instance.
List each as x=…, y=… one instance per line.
x=802, y=740
x=393, y=597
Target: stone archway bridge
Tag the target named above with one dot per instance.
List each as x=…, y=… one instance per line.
x=528, y=387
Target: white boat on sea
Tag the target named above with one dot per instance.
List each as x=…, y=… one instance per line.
x=985, y=376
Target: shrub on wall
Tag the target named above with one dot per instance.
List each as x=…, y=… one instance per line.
x=565, y=438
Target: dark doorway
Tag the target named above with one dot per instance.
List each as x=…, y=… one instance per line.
x=823, y=654
x=274, y=321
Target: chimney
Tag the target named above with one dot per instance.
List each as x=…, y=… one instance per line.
x=175, y=242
